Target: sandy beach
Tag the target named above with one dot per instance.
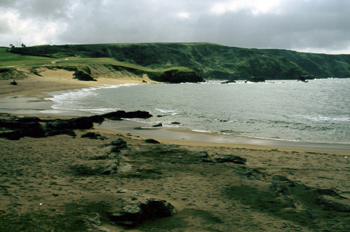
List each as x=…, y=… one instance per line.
x=99, y=179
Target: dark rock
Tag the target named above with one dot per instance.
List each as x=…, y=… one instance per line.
x=28, y=119
x=256, y=79
x=122, y=114
x=118, y=145
x=12, y=135
x=71, y=124
x=175, y=123
x=137, y=208
x=22, y=127
x=152, y=141
x=158, y=125
x=62, y=126
x=91, y=135
x=17, y=123
x=229, y=159
x=228, y=82
x=61, y=132
x=177, y=76
x=96, y=118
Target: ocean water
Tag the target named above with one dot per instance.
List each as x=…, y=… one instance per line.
x=317, y=111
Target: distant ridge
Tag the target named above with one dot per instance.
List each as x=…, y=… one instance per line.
x=206, y=60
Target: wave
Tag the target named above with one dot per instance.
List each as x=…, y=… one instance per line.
x=325, y=118
x=65, y=100
x=166, y=111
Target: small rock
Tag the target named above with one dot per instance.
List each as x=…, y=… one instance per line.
x=229, y=159
x=91, y=135
x=118, y=145
x=152, y=141
x=158, y=125
x=137, y=208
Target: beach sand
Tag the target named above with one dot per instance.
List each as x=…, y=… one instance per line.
x=56, y=184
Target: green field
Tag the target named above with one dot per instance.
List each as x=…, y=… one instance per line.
x=180, y=61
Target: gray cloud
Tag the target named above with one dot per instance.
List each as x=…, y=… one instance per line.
x=306, y=25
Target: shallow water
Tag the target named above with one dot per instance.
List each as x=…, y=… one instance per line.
x=317, y=111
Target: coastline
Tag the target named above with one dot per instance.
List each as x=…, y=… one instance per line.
x=61, y=182
x=188, y=137
x=58, y=80
x=31, y=94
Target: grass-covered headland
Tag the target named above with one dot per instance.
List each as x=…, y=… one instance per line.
x=174, y=62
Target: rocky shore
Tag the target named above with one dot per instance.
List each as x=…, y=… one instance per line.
x=83, y=179
x=64, y=174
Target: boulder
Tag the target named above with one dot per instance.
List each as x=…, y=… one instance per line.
x=91, y=135
x=21, y=127
x=228, y=82
x=72, y=124
x=122, y=114
x=158, y=125
x=137, y=208
x=177, y=76
x=152, y=141
x=117, y=145
x=256, y=79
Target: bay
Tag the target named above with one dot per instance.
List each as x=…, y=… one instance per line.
x=317, y=111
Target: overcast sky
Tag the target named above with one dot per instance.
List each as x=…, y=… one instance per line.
x=302, y=25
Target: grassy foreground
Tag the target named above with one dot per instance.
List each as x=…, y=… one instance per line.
x=58, y=183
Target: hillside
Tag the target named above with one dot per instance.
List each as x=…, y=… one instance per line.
x=318, y=65
x=192, y=62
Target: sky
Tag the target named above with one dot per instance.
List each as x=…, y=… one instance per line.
x=321, y=26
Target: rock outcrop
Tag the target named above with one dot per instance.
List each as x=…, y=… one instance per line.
x=15, y=128
x=137, y=208
x=118, y=115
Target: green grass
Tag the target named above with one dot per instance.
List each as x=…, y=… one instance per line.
x=210, y=61
x=18, y=60
x=82, y=62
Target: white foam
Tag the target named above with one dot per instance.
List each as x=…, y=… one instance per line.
x=325, y=118
x=65, y=100
x=165, y=111
x=201, y=131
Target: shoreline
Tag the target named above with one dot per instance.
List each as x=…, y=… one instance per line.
x=33, y=102
x=188, y=137
x=98, y=179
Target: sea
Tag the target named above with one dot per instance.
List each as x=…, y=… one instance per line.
x=283, y=110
